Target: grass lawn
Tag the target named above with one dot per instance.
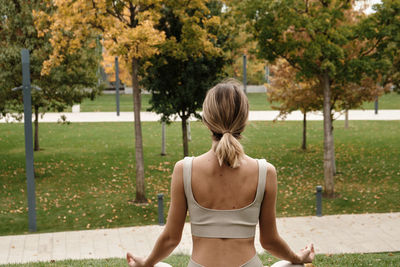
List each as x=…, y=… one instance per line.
x=258, y=101
x=354, y=260
x=107, y=103
x=85, y=172
x=387, y=101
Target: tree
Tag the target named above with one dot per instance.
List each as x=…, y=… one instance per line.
x=127, y=29
x=189, y=62
x=384, y=26
x=293, y=94
x=305, y=94
x=64, y=85
x=317, y=38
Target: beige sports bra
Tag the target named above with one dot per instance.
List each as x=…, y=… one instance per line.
x=235, y=223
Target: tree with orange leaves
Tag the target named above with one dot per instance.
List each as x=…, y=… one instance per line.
x=292, y=94
x=322, y=40
x=127, y=30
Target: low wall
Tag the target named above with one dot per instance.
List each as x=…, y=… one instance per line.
x=250, y=89
x=256, y=89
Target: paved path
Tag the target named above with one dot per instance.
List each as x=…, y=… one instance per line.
x=388, y=114
x=330, y=234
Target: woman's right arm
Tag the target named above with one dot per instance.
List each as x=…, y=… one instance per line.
x=269, y=236
x=172, y=233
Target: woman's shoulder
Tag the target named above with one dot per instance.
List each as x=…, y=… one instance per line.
x=180, y=162
x=270, y=167
x=269, y=164
x=178, y=166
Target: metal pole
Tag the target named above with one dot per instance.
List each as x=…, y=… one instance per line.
x=319, y=200
x=117, y=83
x=99, y=51
x=376, y=105
x=244, y=74
x=189, y=134
x=30, y=176
x=267, y=74
x=160, y=209
x=163, y=139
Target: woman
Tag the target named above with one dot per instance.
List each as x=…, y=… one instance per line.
x=226, y=192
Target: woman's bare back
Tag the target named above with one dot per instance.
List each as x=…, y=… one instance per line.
x=223, y=188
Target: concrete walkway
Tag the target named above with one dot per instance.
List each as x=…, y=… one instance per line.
x=330, y=234
x=387, y=114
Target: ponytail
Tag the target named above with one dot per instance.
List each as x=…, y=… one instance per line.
x=225, y=113
x=229, y=150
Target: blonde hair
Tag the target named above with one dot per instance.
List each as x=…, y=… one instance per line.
x=225, y=113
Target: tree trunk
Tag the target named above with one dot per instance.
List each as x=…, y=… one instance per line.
x=333, y=155
x=185, y=137
x=163, y=153
x=140, y=183
x=304, y=145
x=346, y=119
x=333, y=150
x=189, y=134
x=36, y=147
x=328, y=138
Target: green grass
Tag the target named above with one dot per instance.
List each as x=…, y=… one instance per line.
x=107, y=103
x=85, y=172
x=387, y=101
x=258, y=101
x=354, y=260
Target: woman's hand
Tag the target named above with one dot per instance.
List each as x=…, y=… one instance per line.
x=307, y=254
x=134, y=261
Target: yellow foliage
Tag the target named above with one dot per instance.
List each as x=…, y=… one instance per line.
x=195, y=37
x=73, y=22
x=291, y=93
x=108, y=65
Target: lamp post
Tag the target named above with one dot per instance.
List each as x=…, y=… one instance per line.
x=245, y=73
x=117, y=84
x=267, y=74
x=30, y=176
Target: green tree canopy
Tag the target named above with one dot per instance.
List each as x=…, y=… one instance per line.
x=69, y=83
x=384, y=26
x=320, y=39
x=189, y=62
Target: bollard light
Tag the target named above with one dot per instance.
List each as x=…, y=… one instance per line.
x=160, y=209
x=319, y=200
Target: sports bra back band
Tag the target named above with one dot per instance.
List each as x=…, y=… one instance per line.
x=234, y=223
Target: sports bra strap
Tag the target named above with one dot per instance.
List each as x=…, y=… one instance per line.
x=262, y=174
x=187, y=176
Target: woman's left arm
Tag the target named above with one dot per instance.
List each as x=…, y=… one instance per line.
x=172, y=233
